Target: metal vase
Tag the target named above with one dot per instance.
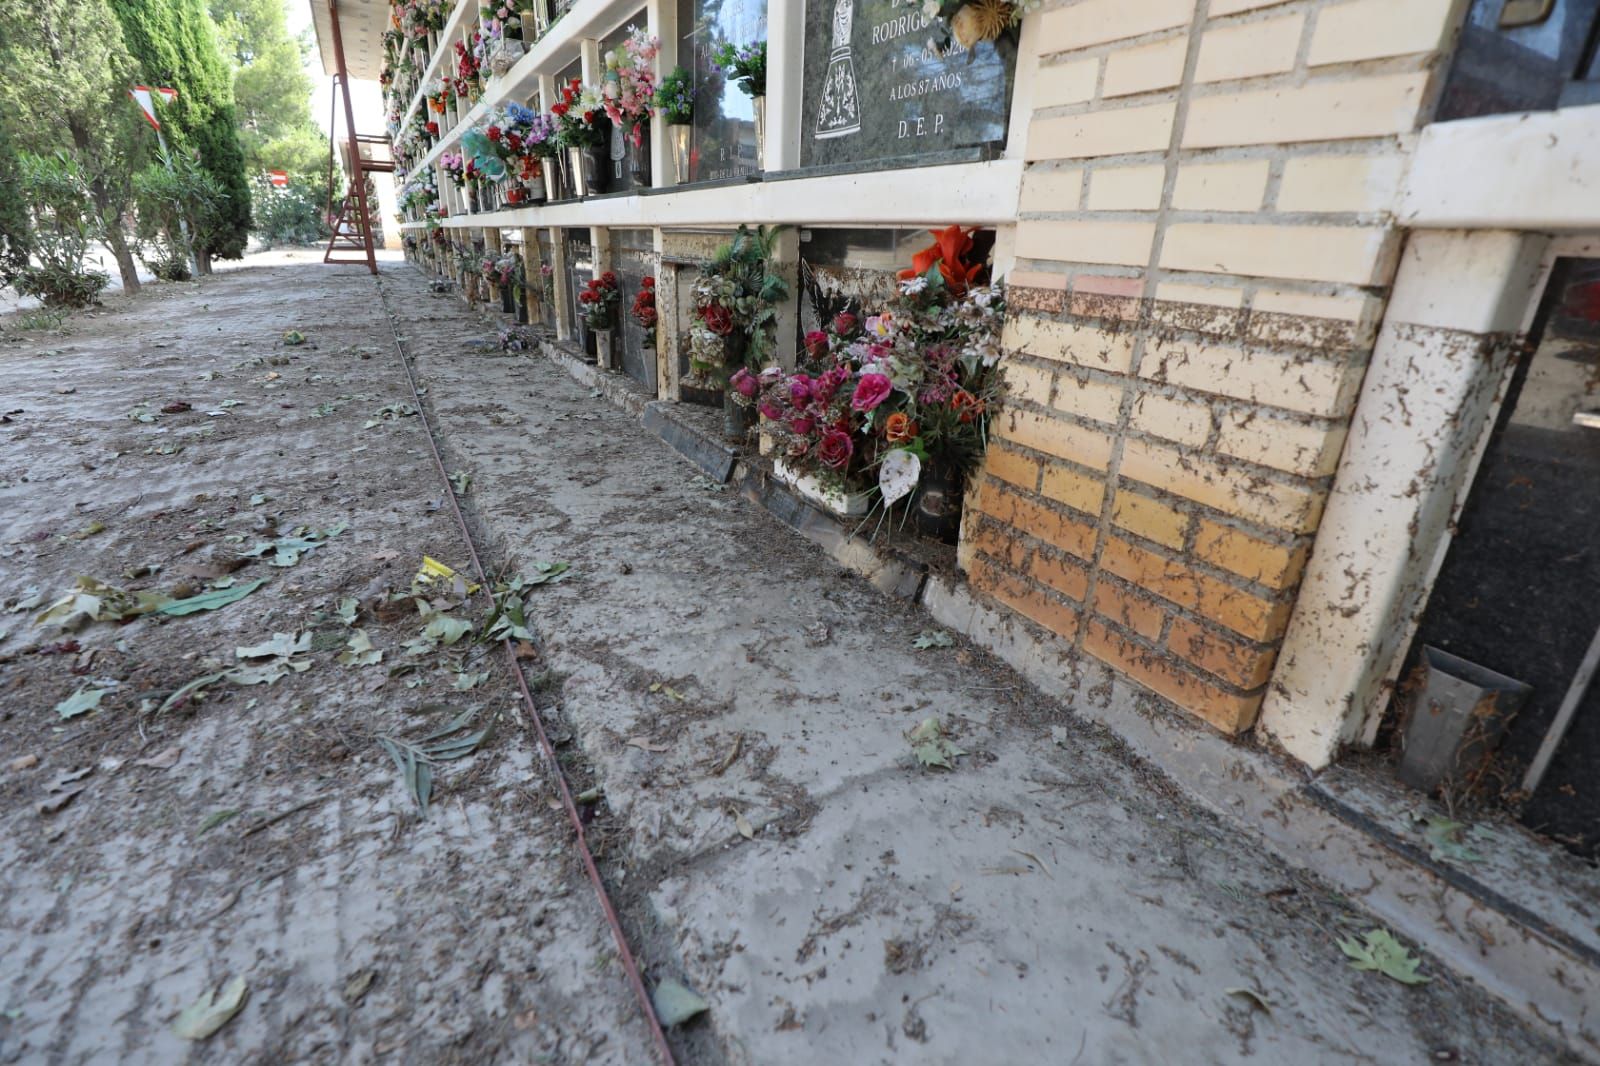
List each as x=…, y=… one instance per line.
x=538, y=188
x=679, y=132
x=761, y=131
x=576, y=172
x=639, y=156
x=541, y=18
x=550, y=170
x=602, y=346
x=597, y=169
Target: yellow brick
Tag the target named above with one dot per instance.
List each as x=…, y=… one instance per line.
x=1051, y=190
x=1029, y=383
x=1126, y=188
x=1149, y=518
x=1121, y=243
x=1328, y=110
x=1354, y=254
x=1066, y=83
x=1303, y=385
x=1065, y=440
x=1106, y=132
x=1144, y=68
x=1211, y=295
x=1224, y=487
x=1100, y=21
x=1340, y=183
x=1372, y=29
x=1089, y=399
x=1250, y=557
x=1221, y=186
x=1250, y=50
x=1312, y=451
x=1011, y=466
x=1280, y=317
x=1187, y=423
x=1078, y=491
x=1083, y=345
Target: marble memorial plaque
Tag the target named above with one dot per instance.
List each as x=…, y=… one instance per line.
x=883, y=82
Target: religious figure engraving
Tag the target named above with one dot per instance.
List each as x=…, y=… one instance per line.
x=839, y=113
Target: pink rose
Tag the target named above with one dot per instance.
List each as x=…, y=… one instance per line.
x=828, y=383
x=816, y=344
x=871, y=390
x=835, y=449
x=844, y=323
x=800, y=390
x=802, y=425
x=770, y=412
x=744, y=383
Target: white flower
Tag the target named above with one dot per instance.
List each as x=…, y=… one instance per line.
x=912, y=286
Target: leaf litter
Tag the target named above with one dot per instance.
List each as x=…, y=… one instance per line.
x=416, y=759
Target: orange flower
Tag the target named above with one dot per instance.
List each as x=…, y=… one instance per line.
x=949, y=249
x=899, y=429
x=966, y=405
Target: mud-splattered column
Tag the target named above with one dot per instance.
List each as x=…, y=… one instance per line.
x=1423, y=418
x=532, y=278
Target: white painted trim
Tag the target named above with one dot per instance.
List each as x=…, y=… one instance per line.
x=1529, y=171
x=969, y=193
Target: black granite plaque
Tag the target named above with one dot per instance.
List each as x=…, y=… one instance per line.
x=724, y=141
x=884, y=82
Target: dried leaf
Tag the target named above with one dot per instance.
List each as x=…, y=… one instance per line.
x=646, y=744
x=1380, y=951
x=165, y=759
x=83, y=701
x=281, y=645
x=675, y=1003
x=1255, y=998
x=211, y=1011
x=210, y=601
x=360, y=652
x=349, y=608
x=214, y=819
x=932, y=747
x=1445, y=841
x=742, y=824
x=933, y=638
x=355, y=989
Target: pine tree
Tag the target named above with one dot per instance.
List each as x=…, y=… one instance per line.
x=174, y=44
x=271, y=91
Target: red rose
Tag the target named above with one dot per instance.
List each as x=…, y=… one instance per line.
x=649, y=283
x=433, y=127
x=871, y=390
x=588, y=118
x=608, y=279
x=844, y=323
x=559, y=110
x=816, y=344
x=835, y=449
x=493, y=133
x=718, y=319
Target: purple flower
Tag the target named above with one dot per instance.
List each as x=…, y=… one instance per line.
x=744, y=383
x=801, y=425
x=871, y=390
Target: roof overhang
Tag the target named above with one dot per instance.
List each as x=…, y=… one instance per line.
x=361, y=25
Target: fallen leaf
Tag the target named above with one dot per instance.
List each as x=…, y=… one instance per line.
x=349, y=608
x=675, y=1003
x=177, y=407
x=210, y=601
x=23, y=762
x=933, y=638
x=214, y=819
x=83, y=701
x=646, y=744
x=165, y=759
x=1255, y=998
x=281, y=645
x=1445, y=840
x=211, y=1011
x=360, y=652
x=1379, y=950
x=932, y=747
x=742, y=824
x=355, y=989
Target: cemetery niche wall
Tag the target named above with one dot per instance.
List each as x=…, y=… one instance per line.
x=884, y=82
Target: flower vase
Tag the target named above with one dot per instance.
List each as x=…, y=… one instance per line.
x=639, y=155
x=550, y=171
x=521, y=300
x=936, y=507
x=530, y=26
x=761, y=131
x=537, y=189
x=541, y=17
x=590, y=341
x=472, y=200
x=433, y=44
x=507, y=301
x=602, y=345
x=679, y=132
x=578, y=172
x=737, y=419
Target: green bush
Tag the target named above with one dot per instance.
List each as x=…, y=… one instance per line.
x=291, y=216
x=62, y=229
x=168, y=198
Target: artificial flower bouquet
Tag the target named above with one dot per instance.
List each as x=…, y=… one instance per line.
x=887, y=399
x=735, y=305
x=746, y=64
x=575, y=115
x=630, y=84
x=599, y=298
x=674, y=97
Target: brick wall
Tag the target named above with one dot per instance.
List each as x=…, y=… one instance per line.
x=1203, y=248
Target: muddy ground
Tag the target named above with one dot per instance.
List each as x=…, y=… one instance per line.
x=741, y=704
